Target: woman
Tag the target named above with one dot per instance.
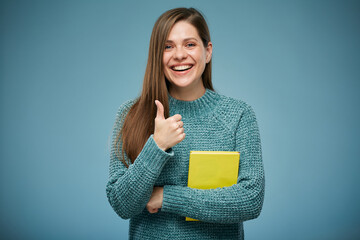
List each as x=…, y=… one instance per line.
x=179, y=111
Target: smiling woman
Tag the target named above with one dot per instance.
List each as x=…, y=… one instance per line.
x=178, y=111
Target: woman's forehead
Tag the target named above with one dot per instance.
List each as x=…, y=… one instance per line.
x=183, y=31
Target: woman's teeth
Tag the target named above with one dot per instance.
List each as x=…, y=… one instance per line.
x=181, y=68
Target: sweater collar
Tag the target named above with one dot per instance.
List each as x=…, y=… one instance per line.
x=201, y=106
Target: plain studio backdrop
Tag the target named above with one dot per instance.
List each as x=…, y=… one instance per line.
x=66, y=67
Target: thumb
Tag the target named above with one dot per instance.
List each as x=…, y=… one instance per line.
x=160, y=110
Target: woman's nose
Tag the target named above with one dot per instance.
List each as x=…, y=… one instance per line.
x=180, y=53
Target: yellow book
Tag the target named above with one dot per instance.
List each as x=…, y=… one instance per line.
x=212, y=169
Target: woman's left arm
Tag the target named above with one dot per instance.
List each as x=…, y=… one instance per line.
x=240, y=202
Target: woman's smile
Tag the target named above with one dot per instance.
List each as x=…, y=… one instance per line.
x=181, y=68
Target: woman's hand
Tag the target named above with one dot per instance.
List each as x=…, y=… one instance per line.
x=156, y=200
x=168, y=132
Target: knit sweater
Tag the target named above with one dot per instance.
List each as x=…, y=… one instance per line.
x=212, y=122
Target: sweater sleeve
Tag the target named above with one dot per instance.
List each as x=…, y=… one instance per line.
x=239, y=202
x=129, y=189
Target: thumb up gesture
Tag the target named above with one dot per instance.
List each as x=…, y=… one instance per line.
x=168, y=132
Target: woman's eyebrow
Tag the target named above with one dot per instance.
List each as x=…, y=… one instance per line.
x=188, y=39
x=184, y=40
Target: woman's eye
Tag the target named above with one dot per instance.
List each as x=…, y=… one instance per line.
x=190, y=45
x=167, y=47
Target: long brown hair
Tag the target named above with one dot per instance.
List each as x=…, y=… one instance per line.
x=139, y=123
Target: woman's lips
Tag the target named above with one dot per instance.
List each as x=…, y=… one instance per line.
x=182, y=68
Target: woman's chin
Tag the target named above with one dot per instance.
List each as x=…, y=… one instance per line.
x=183, y=83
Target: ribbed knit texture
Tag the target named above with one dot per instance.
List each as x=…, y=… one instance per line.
x=212, y=123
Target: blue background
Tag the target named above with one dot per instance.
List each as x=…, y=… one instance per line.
x=66, y=66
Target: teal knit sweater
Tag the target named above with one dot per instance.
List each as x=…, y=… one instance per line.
x=212, y=122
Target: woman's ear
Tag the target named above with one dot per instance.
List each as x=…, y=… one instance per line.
x=208, y=52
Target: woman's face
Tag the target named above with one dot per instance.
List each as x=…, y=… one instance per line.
x=185, y=56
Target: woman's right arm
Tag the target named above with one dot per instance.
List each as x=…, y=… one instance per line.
x=129, y=189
